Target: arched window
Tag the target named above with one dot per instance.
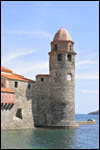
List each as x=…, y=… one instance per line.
x=29, y=86
x=59, y=57
x=55, y=46
x=69, y=76
x=70, y=47
x=16, y=84
x=69, y=57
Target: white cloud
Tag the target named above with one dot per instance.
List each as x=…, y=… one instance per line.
x=86, y=62
x=35, y=67
x=87, y=76
x=43, y=34
x=15, y=55
x=30, y=70
x=89, y=91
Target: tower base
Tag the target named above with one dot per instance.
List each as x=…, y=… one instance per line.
x=73, y=126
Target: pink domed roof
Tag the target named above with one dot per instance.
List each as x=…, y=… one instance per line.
x=62, y=35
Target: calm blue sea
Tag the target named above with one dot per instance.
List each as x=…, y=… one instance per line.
x=86, y=137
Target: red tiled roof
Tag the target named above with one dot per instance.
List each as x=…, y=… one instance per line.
x=23, y=77
x=6, y=90
x=3, y=69
x=16, y=77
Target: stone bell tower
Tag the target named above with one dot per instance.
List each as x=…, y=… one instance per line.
x=62, y=72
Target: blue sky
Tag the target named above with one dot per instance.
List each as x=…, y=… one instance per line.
x=27, y=28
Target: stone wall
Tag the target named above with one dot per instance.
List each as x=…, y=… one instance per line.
x=22, y=92
x=24, y=98
x=62, y=89
x=7, y=109
x=10, y=121
x=42, y=101
x=7, y=118
x=55, y=95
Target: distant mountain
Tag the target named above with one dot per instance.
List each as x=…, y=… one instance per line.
x=94, y=113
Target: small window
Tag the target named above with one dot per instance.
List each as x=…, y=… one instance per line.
x=59, y=57
x=19, y=113
x=42, y=79
x=16, y=84
x=70, y=46
x=29, y=86
x=69, y=57
x=55, y=46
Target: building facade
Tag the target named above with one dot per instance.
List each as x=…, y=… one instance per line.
x=51, y=100
x=16, y=100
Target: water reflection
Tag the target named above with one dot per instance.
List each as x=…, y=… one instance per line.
x=53, y=139
x=87, y=136
x=39, y=138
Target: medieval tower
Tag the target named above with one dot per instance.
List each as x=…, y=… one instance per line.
x=55, y=92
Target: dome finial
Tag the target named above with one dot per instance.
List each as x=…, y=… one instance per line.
x=62, y=35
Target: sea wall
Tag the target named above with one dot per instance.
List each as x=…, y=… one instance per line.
x=85, y=122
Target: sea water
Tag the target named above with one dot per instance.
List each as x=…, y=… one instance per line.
x=85, y=137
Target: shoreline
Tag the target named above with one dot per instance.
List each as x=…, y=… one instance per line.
x=78, y=122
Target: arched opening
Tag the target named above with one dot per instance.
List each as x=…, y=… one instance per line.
x=29, y=86
x=69, y=57
x=59, y=57
x=55, y=46
x=69, y=76
x=70, y=47
x=16, y=84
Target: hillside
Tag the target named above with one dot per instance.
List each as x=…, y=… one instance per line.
x=94, y=113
